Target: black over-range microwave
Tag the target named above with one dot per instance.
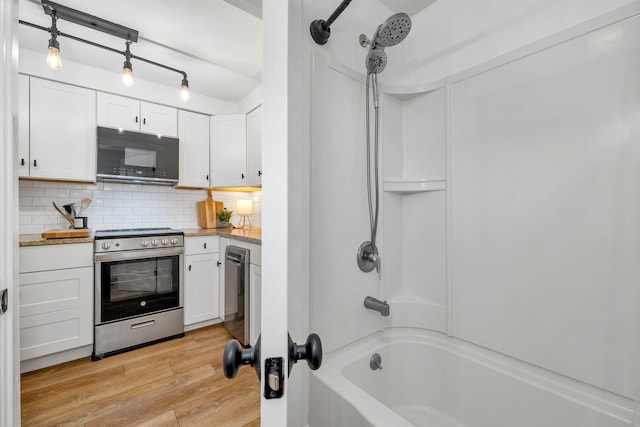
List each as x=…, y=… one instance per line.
x=126, y=156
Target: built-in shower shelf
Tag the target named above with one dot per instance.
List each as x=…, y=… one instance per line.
x=406, y=186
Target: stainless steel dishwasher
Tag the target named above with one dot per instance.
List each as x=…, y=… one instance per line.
x=236, y=293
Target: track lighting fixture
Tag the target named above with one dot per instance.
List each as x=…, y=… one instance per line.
x=127, y=70
x=53, y=58
x=57, y=11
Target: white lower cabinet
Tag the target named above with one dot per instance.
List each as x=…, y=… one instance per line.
x=56, y=305
x=202, y=282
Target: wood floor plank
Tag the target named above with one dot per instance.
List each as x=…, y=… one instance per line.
x=178, y=382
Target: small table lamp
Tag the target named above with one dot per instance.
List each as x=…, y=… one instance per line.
x=244, y=208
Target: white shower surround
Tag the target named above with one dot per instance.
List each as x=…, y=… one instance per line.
x=429, y=308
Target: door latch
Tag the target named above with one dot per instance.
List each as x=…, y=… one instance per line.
x=274, y=378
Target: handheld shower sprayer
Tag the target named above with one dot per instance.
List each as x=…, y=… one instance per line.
x=389, y=33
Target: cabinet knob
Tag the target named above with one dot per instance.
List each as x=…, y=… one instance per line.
x=204, y=245
x=207, y=178
x=35, y=163
x=136, y=119
x=21, y=162
x=189, y=267
x=218, y=263
x=144, y=121
x=259, y=173
x=242, y=176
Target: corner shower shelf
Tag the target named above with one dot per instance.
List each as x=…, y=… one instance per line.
x=409, y=186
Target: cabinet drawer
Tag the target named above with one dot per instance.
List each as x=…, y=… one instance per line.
x=55, y=257
x=201, y=245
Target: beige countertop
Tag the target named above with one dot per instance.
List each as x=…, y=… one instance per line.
x=251, y=235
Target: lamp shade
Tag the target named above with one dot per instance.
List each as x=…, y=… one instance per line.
x=244, y=207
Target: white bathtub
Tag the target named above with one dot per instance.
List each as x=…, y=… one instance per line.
x=432, y=380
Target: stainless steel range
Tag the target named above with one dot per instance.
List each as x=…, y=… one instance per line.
x=138, y=288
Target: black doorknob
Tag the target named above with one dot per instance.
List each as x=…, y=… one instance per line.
x=311, y=350
x=234, y=357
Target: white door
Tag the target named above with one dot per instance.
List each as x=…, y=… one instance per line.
x=9, y=371
x=254, y=147
x=285, y=230
x=193, y=131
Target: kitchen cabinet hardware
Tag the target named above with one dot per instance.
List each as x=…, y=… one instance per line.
x=218, y=263
x=259, y=173
x=207, y=178
x=204, y=245
x=21, y=162
x=35, y=163
x=242, y=176
x=136, y=119
x=189, y=267
x=4, y=301
x=144, y=121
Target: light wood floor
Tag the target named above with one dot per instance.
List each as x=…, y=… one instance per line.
x=174, y=383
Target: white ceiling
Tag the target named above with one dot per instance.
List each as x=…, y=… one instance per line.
x=218, y=45
x=407, y=6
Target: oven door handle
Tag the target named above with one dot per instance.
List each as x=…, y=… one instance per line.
x=139, y=254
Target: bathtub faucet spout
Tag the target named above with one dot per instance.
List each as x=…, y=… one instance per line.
x=381, y=307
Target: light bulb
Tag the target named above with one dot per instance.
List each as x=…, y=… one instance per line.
x=53, y=59
x=127, y=77
x=184, y=93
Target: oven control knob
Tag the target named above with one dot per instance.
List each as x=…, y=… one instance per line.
x=144, y=243
x=165, y=242
x=174, y=241
x=154, y=242
x=106, y=245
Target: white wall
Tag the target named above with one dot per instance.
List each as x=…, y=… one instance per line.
x=33, y=63
x=116, y=206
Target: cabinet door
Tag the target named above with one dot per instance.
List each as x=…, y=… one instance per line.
x=254, y=147
x=228, y=151
x=193, y=132
x=23, y=125
x=159, y=120
x=201, y=288
x=118, y=112
x=255, y=299
x=55, y=311
x=62, y=131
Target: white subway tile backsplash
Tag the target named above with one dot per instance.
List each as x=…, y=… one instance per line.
x=116, y=205
x=124, y=195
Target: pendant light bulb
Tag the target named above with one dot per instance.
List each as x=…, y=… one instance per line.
x=53, y=58
x=184, y=91
x=127, y=77
x=127, y=70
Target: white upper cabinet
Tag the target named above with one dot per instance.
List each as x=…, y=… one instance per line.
x=193, y=132
x=118, y=112
x=62, y=131
x=254, y=147
x=228, y=151
x=130, y=114
x=159, y=119
x=23, y=125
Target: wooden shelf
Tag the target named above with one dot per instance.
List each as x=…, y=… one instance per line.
x=406, y=186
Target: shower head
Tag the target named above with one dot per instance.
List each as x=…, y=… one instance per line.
x=389, y=33
x=376, y=60
x=393, y=30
